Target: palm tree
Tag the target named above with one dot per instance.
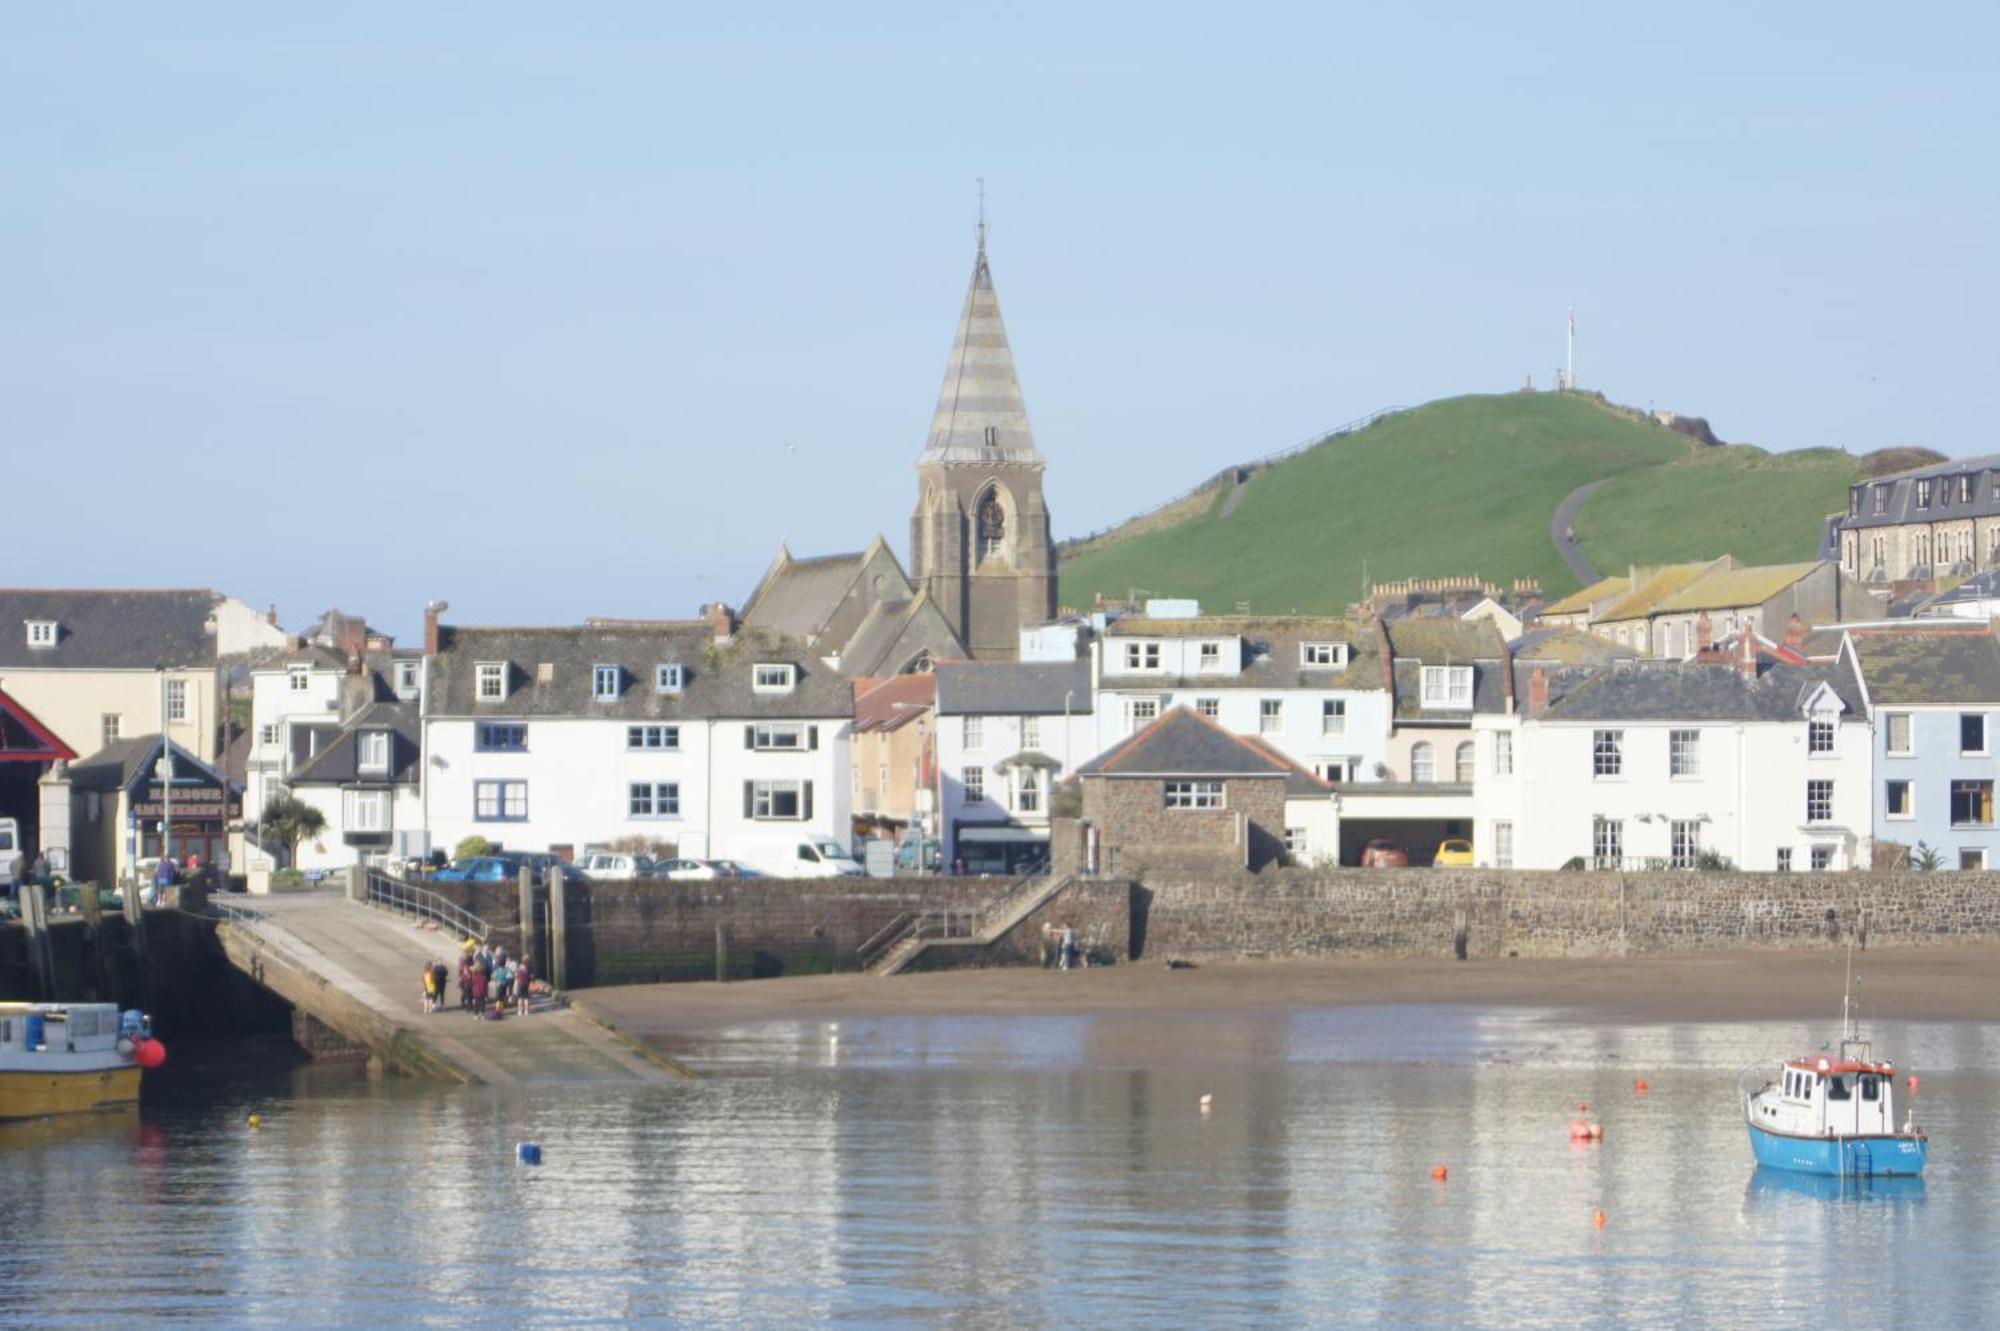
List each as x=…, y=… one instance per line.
x=291, y=820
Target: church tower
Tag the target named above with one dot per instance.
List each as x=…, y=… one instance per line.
x=979, y=542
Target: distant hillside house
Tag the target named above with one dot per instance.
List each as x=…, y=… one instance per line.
x=1660, y=611
x=1932, y=522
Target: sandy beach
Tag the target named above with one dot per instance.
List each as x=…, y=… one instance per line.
x=1916, y=984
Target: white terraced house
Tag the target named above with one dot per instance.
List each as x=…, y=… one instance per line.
x=1756, y=760
x=1310, y=687
x=1008, y=732
x=677, y=731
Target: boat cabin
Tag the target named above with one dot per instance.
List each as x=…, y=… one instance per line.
x=1824, y=1097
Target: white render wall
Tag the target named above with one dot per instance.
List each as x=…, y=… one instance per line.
x=1750, y=795
x=329, y=850
x=579, y=771
x=1300, y=737
x=273, y=702
x=1070, y=743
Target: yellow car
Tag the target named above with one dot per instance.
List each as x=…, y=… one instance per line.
x=1454, y=855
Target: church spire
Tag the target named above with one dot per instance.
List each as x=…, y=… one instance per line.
x=981, y=415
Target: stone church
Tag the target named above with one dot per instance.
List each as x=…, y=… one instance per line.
x=982, y=562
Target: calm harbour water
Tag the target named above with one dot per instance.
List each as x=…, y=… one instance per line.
x=1021, y=1171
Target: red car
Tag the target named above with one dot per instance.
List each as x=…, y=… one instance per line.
x=1380, y=854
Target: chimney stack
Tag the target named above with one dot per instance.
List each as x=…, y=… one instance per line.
x=1538, y=692
x=271, y=615
x=1704, y=632
x=722, y=620
x=431, y=613
x=1795, y=633
x=1746, y=652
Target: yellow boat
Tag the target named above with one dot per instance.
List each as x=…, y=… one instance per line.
x=72, y=1058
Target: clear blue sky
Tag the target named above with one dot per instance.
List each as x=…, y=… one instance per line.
x=568, y=310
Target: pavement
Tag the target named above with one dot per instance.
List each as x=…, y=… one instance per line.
x=1564, y=522
x=376, y=956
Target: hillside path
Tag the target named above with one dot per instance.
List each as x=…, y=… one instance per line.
x=1564, y=520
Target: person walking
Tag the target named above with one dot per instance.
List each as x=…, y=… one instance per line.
x=523, y=985
x=430, y=989
x=1068, y=947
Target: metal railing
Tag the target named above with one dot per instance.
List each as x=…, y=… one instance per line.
x=397, y=895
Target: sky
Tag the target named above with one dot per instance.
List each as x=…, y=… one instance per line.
x=555, y=311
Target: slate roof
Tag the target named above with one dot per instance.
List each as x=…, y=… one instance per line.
x=796, y=595
x=1445, y=642
x=981, y=390
x=891, y=704
x=337, y=764
x=717, y=674
x=1184, y=744
x=1013, y=688
x=109, y=630
x=1567, y=646
x=1728, y=589
x=1929, y=666
x=1271, y=652
x=1651, y=593
x=1579, y=602
x=1902, y=505
x=1653, y=690
x=120, y=763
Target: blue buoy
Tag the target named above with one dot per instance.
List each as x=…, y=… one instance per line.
x=529, y=1153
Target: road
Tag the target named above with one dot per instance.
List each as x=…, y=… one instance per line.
x=1564, y=522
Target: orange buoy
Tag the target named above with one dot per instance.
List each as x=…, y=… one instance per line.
x=1640, y=1086
x=1579, y=1130
x=1598, y=1219
x=1440, y=1173
x=1914, y=1083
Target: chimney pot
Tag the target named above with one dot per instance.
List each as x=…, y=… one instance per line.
x=1746, y=653
x=1704, y=632
x=431, y=613
x=722, y=620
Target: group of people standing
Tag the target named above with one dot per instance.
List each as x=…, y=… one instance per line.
x=489, y=982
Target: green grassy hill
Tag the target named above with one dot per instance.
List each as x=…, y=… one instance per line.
x=1467, y=486
x=1764, y=508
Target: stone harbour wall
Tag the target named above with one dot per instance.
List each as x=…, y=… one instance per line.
x=1394, y=912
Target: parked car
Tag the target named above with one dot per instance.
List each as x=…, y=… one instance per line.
x=912, y=857
x=733, y=869
x=682, y=870
x=1453, y=854
x=1380, y=854
x=539, y=862
x=479, y=869
x=604, y=864
x=13, y=864
x=797, y=856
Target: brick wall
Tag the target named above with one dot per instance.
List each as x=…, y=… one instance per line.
x=1404, y=912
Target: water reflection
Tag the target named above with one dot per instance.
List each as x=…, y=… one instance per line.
x=1019, y=1172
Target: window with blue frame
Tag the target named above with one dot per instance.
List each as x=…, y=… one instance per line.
x=501, y=737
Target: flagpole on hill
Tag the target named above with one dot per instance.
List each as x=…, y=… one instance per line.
x=1569, y=358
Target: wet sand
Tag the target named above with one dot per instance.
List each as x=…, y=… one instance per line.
x=1959, y=983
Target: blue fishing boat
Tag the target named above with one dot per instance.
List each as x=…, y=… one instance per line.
x=1835, y=1115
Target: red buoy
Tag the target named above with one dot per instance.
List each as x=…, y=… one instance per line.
x=1640, y=1086
x=1440, y=1173
x=149, y=1054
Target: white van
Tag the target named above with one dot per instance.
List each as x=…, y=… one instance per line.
x=12, y=867
x=798, y=856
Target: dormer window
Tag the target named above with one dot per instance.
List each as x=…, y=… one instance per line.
x=407, y=679
x=1447, y=687
x=41, y=633
x=298, y=678
x=1323, y=655
x=372, y=752
x=1210, y=655
x=1881, y=500
x=1924, y=493
x=1142, y=656
x=669, y=678
x=605, y=681
x=492, y=677
x=1965, y=488
x=773, y=678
